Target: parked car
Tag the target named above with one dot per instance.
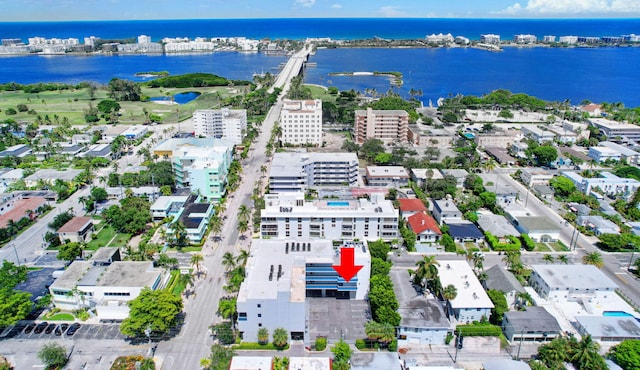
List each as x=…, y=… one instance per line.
x=50, y=328
x=29, y=328
x=73, y=328
x=40, y=327
x=61, y=329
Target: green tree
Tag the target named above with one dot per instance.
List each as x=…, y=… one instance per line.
x=545, y=154
x=154, y=309
x=108, y=107
x=562, y=186
x=383, y=333
x=280, y=363
x=380, y=267
x=548, y=258
x=563, y=259
x=500, y=306
x=379, y=249
x=554, y=353
x=585, y=355
x=449, y=292
x=244, y=213
x=60, y=220
x=263, y=335
x=166, y=190
x=229, y=261
x=69, y=252
x=179, y=237
x=165, y=261
x=627, y=354
x=219, y=359
x=280, y=337
x=15, y=305
x=371, y=148
x=99, y=194
x=426, y=272
x=242, y=257
x=593, y=258
x=341, y=355
x=196, y=261
x=123, y=90
x=54, y=355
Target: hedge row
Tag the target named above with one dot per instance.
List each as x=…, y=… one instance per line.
x=478, y=330
x=514, y=244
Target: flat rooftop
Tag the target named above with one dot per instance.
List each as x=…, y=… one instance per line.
x=250, y=363
x=610, y=326
x=497, y=225
x=534, y=318
x=567, y=277
x=50, y=174
x=387, y=171
x=421, y=312
x=130, y=274
x=471, y=294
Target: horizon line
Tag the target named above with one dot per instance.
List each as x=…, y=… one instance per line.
x=562, y=18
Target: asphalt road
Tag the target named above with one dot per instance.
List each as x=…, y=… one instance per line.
x=194, y=341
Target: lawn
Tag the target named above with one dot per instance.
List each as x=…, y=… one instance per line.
x=62, y=317
x=318, y=92
x=121, y=240
x=105, y=235
x=558, y=246
x=542, y=247
x=73, y=103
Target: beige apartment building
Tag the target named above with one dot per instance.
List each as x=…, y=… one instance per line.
x=386, y=125
x=301, y=122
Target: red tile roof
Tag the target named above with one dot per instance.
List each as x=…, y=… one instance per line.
x=421, y=222
x=591, y=107
x=76, y=224
x=20, y=208
x=411, y=205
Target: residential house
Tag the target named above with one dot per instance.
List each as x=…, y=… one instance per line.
x=571, y=283
x=98, y=151
x=501, y=155
x=535, y=324
x=519, y=149
x=421, y=175
x=579, y=209
x=598, y=224
x=531, y=177
x=471, y=302
x=607, y=182
x=499, y=278
x=459, y=174
x=78, y=230
x=630, y=156
x=609, y=329
x=167, y=206
x=444, y=210
x=8, y=177
x=497, y=225
x=538, y=134
x=423, y=321
x=149, y=192
x=20, y=208
x=505, y=192
x=20, y=151
x=540, y=229
x=195, y=217
x=425, y=228
x=617, y=131
x=594, y=110
x=543, y=191
x=601, y=154
x=465, y=231
x=410, y=206
x=387, y=176
x=105, y=287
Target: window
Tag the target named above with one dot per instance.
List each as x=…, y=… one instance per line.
x=259, y=305
x=259, y=315
x=259, y=324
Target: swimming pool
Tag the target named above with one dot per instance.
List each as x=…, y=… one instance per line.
x=616, y=313
x=338, y=204
x=469, y=135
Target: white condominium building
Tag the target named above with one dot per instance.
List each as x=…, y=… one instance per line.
x=289, y=215
x=301, y=122
x=294, y=172
x=228, y=124
x=386, y=125
x=281, y=274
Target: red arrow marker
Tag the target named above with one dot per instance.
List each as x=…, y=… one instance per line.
x=347, y=268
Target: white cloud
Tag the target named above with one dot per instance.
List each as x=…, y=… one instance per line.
x=306, y=3
x=391, y=11
x=336, y=6
x=572, y=7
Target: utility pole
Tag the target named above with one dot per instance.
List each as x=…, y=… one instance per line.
x=16, y=252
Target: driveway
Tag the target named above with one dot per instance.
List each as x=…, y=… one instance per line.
x=336, y=319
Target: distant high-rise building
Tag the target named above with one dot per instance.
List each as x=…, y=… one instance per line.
x=301, y=122
x=386, y=125
x=490, y=38
x=143, y=39
x=228, y=124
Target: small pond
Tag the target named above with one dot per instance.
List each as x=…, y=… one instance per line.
x=181, y=98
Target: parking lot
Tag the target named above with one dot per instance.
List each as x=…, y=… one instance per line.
x=336, y=318
x=103, y=331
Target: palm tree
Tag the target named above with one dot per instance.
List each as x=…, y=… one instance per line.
x=593, y=258
x=548, y=258
x=554, y=353
x=563, y=259
x=280, y=363
x=244, y=213
x=196, y=259
x=280, y=337
x=243, y=227
x=216, y=225
x=263, y=335
x=179, y=237
x=427, y=271
x=511, y=259
x=449, y=292
x=229, y=261
x=205, y=363
x=165, y=261
x=478, y=261
x=187, y=280
x=382, y=332
x=242, y=257
x=524, y=299
x=586, y=355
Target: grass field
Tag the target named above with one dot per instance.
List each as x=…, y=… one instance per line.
x=73, y=103
x=542, y=247
x=61, y=317
x=318, y=92
x=105, y=234
x=121, y=240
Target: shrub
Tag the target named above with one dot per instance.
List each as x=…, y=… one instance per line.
x=321, y=343
x=22, y=108
x=478, y=330
x=10, y=112
x=529, y=245
x=361, y=344
x=393, y=346
x=448, y=338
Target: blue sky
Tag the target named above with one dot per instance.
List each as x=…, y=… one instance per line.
x=40, y=10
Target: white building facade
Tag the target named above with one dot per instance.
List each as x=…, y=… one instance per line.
x=295, y=172
x=228, y=124
x=301, y=122
x=289, y=215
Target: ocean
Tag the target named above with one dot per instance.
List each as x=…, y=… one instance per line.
x=596, y=74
